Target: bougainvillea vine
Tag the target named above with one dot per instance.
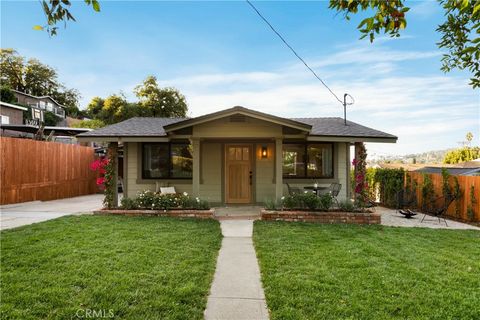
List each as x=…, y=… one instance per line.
x=104, y=168
x=360, y=164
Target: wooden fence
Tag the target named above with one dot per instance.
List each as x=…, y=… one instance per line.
x=458, y=209
x=37, y=170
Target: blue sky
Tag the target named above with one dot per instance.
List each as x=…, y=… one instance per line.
x=220, y=54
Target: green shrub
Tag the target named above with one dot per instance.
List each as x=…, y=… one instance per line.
x=307, y=200
x=201, y=204
x=128, y=203
x=291, y=201
x=310, y=200
x=390, y=182
x=270, y=204
x=325, y=202
x=471, y=206
x=164, y=202
x=156, y=201
x=145, y=199
x=346, y=205
x=428, y=192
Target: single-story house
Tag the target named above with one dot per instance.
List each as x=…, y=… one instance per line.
x=237, y=155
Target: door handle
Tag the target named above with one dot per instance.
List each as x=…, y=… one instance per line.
x=250, y=176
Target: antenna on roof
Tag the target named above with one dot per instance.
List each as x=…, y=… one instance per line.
x=345, y=104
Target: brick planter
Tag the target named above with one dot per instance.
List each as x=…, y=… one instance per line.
x=200, y=214
x=322, y=217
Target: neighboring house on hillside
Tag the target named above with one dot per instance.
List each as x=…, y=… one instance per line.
x=236, y=155
x=11, y=113
x=469, y=168
x=41, y=104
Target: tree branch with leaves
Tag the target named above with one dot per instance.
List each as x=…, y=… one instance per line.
x=460, y=33
x=59, y=11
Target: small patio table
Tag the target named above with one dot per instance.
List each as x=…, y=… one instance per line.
x=318, y=190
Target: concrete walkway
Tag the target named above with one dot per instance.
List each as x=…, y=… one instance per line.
x=19, y=214
x=236, y=291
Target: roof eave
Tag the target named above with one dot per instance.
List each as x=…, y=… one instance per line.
x=91, y=138
x=340, y=138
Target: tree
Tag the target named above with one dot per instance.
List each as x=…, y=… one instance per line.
x=34, y=77
x=50, y=119
x=6, y=95
x=160, y=102
x=39, y=79
x=68, y=98
x=112, y=109
x=92, y=124
x=95, y=107
x=460, y=32
x=465, y=153
x=154, y=102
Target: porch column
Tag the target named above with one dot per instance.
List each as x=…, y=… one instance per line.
x=358, y=149
x=113, y=157
x=347, y=173
x=278, y=169
x=196, y=167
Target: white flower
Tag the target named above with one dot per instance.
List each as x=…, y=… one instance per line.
x=283, y=198
x=305, y=191
x=198, y=199
x=185, y=194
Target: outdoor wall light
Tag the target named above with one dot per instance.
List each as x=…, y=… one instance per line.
x=264, y=152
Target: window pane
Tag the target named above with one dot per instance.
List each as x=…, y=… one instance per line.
x=238, y=152
x=246, y=154
x=320, y=162
x=182, y=160
x=293, y=160
x=231, y=153
x=155, y=160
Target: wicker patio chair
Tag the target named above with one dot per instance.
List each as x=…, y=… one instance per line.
x=334, y=190
x=293, y=190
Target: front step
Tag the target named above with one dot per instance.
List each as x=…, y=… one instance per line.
x=238, y=212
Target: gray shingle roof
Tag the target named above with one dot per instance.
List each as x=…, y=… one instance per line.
x=134, y=127
x=153, y=127
x=336, y=127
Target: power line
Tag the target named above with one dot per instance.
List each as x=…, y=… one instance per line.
x=294, y=52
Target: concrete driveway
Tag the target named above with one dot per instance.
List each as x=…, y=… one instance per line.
x=19, y=214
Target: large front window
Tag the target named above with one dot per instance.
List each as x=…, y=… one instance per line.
x=308, y=160
x=166, y=160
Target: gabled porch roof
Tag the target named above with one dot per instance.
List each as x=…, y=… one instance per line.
x=238, y=111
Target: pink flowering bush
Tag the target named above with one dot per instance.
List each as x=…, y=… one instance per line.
x=100, y=165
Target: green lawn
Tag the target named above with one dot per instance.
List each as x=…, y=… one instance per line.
x=137, y=267
x=368, y=272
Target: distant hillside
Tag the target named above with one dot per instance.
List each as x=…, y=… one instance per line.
x=435, y=156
